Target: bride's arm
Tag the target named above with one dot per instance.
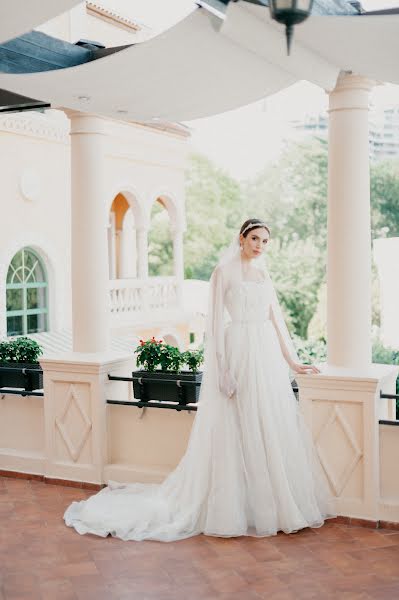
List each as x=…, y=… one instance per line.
x=283, y=347
x=297, y=367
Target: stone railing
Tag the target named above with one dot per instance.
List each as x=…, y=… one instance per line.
x=130, y=297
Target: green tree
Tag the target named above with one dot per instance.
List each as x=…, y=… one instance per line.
x=384, y=190
x=214, y=213
x=160, y=245
x=291, y=195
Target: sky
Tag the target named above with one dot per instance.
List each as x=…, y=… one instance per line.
x=244, y=140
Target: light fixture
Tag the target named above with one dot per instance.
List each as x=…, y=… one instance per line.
x=290, y=13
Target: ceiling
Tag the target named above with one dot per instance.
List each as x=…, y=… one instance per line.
x=197, y=69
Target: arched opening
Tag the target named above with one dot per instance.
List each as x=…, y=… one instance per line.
x=160, y=243
x=26, y=294
x=122, y=250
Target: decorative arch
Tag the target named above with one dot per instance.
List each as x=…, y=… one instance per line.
x=168, y=201
x=126, y=217
x=166, y=236
x=134, y=200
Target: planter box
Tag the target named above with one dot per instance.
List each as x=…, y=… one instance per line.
x=164, y=386
x=14, y=375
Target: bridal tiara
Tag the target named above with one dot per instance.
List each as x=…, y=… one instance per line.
x=252, y=225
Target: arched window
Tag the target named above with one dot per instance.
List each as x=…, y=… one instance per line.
x=26, y=294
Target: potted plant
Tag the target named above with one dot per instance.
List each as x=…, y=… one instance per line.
x=162, y=378
x=19, y=366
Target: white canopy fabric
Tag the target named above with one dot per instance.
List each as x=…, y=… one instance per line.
x=20, y=16
x=193, y=70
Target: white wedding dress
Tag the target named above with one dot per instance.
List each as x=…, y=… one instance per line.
x=250, y=467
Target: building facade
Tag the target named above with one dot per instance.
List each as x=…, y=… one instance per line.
x=144, y=167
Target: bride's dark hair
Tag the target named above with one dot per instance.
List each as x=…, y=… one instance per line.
x=256, y=224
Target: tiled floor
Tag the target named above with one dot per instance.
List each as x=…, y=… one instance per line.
x=42, y=559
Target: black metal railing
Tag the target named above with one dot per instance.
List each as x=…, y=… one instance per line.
x=154, y=403
x=7, y=391
x=159, y=404
x=21, y=381
x=389, y=397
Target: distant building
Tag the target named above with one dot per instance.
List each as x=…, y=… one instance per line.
x=384, y=131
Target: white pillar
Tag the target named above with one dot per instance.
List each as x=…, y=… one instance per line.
x=142, y=252
x=349, y=236
x=128, y=248
x=111, y=246
x=118, y=253
x=178, y=254
x=90, y=270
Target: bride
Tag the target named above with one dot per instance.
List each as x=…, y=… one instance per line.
x=250, y=467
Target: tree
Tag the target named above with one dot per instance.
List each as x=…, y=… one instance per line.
x=160, y=245
x=385, y=198
x=214, y=213
x=291, y=196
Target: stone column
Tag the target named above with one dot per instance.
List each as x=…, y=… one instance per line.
x=129, y=252
x=142, y=252
x=178, y=255
x=119, y=253
x=349, y=237
x=178, y=263
x=90, y=271
x=111, y=246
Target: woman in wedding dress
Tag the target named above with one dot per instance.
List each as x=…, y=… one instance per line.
x=250, y=467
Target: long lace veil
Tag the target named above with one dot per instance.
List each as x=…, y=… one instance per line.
x=228, y=272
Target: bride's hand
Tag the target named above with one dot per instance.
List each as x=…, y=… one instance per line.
x=304, y=369
x=228, y=384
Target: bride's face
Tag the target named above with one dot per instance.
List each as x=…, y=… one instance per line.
x=254, y=243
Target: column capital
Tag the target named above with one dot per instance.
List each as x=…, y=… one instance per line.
x=351, y=92
x=88, y=123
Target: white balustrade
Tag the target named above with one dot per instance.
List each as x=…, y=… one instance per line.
x=134, y=296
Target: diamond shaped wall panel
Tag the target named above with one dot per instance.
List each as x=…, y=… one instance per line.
x=73, y=424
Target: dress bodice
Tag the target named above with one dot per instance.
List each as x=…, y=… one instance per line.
x=248, y=301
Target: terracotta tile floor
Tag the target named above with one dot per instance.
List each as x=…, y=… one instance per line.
x=40, y=558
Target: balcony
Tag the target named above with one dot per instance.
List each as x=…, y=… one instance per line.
x=131, y=300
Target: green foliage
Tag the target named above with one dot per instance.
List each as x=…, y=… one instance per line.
x=160, y=245
x=149, y=354
x=193, y=359
x=384, y=190
x=291, y=195
x=171, y=358
x=214, y=213
x=20, y=350
x=153, y=354
x=386, y=356
x=311, y=351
